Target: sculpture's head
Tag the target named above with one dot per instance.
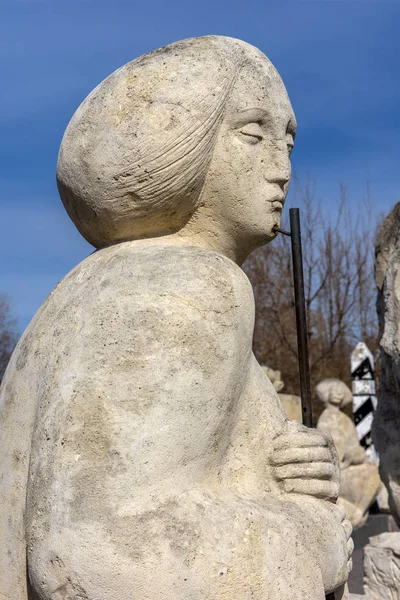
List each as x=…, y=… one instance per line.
x=203, y=126
x=333, y=392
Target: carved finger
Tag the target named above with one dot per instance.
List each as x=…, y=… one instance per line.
x=307, y=439
x=350, y=565
x=314, y=470
x=300, y=455
x=348, y=528
x=325, y=490
x=350, y=547
x=293, y=426
x=341, y=511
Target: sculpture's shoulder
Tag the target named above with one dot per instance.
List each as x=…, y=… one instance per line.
x=130, y=270
x=164, y=267
x=129, y=280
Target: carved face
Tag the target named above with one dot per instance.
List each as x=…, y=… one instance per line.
x=333, y=392
x=200, y=124
x=249, y=175
x=336, y=395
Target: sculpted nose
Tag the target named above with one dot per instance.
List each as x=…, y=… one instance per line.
x=280, y=176
x=279, y=169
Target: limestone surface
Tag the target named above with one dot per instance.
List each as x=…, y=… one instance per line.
x=382, y=567
x=359, y=479
x=144, y=452
x=386, y=426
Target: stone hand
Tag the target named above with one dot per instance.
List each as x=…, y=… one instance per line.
x=348, y=529
x=305, y=461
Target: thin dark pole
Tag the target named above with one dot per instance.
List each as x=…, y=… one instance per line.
x=301, y=322
x=301, y=317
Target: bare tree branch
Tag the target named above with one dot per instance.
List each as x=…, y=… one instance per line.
x=339, y=288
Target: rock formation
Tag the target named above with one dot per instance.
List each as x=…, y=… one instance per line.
x=382, y=554
x=386, y=427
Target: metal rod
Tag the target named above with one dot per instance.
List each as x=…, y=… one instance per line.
x=279, y=230
x=301, y=317
x=301, y=322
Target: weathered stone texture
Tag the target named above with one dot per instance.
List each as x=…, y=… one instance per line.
x=386, y=427
x=144, y=453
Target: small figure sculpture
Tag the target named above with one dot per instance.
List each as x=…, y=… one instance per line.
x=359, y=479
x=290, y=402
x=144, y=452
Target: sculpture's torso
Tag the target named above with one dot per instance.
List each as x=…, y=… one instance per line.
x=151, y=423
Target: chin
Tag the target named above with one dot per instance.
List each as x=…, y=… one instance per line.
x=262, y=238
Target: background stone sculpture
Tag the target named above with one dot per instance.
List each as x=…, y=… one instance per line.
x=144, y=453
x=290, y=402
x=382, y=567
x=359, y=479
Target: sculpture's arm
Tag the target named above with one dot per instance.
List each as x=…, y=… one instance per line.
x=146, y=399
x=271, y=453
x=273, y=459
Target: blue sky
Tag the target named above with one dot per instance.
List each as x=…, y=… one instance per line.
x=339, y=59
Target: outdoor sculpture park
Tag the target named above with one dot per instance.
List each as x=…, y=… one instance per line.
x=144, y=452
x=359, y=479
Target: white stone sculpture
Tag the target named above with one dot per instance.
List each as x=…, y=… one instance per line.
x=381, y=568
x=290, y=402
x=359, y=478
x=144, y=452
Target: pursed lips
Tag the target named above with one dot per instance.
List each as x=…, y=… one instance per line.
x=277, y=202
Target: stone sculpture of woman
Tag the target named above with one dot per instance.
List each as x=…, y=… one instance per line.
x=144, y=453
x=359, y=479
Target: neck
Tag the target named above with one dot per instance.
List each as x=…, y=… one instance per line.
x=205, y=231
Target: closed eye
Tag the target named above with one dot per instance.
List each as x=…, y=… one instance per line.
x=253, y=131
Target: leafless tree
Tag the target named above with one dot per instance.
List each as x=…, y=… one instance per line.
x=8, y=333
x=339, y=289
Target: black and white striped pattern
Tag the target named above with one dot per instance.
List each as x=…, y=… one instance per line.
x=364, y=396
